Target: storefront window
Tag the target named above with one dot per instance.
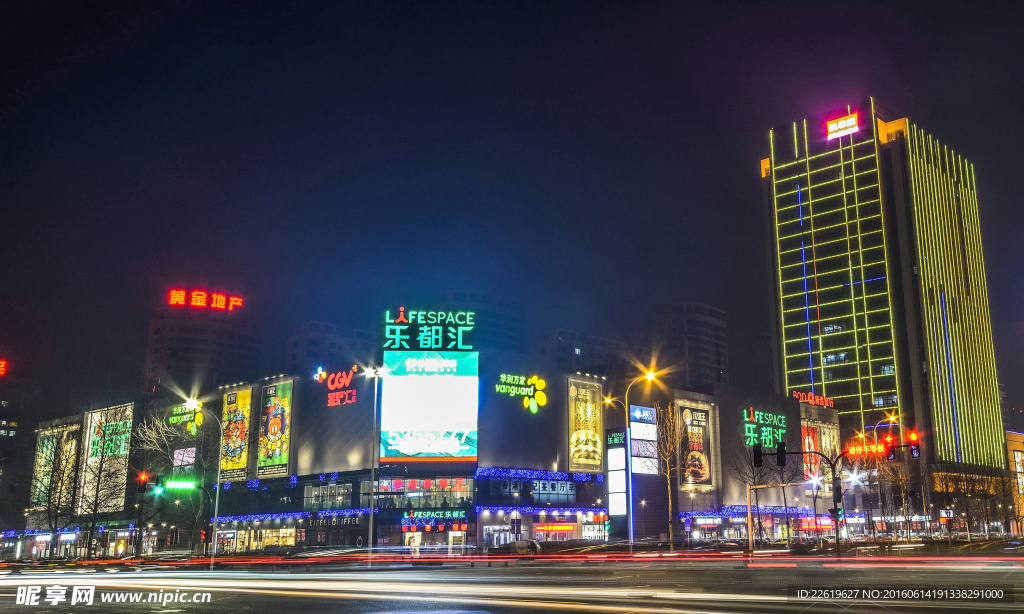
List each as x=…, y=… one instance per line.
x=414, y=493
x=328, y=496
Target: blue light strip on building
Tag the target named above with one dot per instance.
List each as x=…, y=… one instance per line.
x=557, y=511
x=349, y=512
x=949, y=372
x=530, y=474
x=864, y=281
x=261, y=517
x=629, y=485
x=741, y=510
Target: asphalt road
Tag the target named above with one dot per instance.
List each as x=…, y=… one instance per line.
x=571, y=586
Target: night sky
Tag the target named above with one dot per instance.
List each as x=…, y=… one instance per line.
x=328, y=161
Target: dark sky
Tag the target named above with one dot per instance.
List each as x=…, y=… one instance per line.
x=327, y=161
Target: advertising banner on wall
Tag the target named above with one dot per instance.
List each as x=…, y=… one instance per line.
x=275, y=430
x=429, y=406
x=103, y=470
x=234, y=452
x=586, y=425
x=812, y=462
x=53, y=471
x=696, y=446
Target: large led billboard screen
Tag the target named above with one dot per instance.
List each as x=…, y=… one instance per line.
x=586, y=423
x=275, y=430
x=234, y=449
x=429, y=406
x=103, y=470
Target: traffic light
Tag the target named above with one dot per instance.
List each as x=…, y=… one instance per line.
x=891, y=454
x=780, y=454
x=143, y=479
x=202, y=535
x=758, y=462
x=841, y=515
x=915, y=444
x=159, y=488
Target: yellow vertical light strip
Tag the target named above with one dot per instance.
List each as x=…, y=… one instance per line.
x=778, y=260
x=796, y=144
x=888, y=282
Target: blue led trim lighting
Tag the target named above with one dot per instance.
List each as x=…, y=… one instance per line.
x=864, y=281
x=557, y=511
x=530, y=474
x=735, y=511
x=261, y=517
x=949, y=372
x=349, y=512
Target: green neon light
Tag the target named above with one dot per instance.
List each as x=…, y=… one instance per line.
x=180, y=485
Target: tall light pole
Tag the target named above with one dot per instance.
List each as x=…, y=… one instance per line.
x=649, y=376
x=878, y=480
x=195, y=405
x=376, y=373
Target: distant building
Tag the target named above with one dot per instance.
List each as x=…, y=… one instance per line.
x=568, y=350
x=499, y=321
x=695, y=344
x=316, y=344
x=193, y=349
x=16, y=442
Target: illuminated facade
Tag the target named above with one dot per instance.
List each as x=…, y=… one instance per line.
x=881, y=300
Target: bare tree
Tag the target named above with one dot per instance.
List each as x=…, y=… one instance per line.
x=183, y=451
x=744, y=471
x=785, y=474
x=53, y=480
x=103, y=471
x=669, y=441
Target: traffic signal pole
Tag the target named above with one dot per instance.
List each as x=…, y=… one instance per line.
x=837, y=484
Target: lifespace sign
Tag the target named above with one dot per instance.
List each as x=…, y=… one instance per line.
x=429, y=406
x=428, y=330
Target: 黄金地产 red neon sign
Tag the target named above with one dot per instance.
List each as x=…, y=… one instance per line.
x=201, y=299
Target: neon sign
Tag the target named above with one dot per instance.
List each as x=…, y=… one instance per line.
x=860, y=448
x=201, y=299
x=842, y=126
x=814, y=399
x=531, y=389
x=433, y=330
x=191, y=418
x=762, y=427
x=339, y=382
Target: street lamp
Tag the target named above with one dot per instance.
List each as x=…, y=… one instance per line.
x=196, y=405
x=650, y=377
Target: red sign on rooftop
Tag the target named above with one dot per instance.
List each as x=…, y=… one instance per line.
x=202, y=299
x=3, y=367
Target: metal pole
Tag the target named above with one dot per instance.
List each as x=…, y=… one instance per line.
x=216, y=496
x=374, y=452
x=750, y=524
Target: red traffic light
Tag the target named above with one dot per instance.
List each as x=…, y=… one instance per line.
x=913, y=436
x=143, y=476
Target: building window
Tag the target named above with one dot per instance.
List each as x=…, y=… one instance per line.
x=577, y=351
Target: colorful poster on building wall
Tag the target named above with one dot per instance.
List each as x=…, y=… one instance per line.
x=103, y=470
x=234, y=452
x=275, y=430
x=811, y=444
x=696, y=448
x=429, y=406
x=586, y=425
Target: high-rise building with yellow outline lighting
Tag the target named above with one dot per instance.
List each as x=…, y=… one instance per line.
x=881, y=302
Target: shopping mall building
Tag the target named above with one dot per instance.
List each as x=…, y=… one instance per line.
x=469, y=448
